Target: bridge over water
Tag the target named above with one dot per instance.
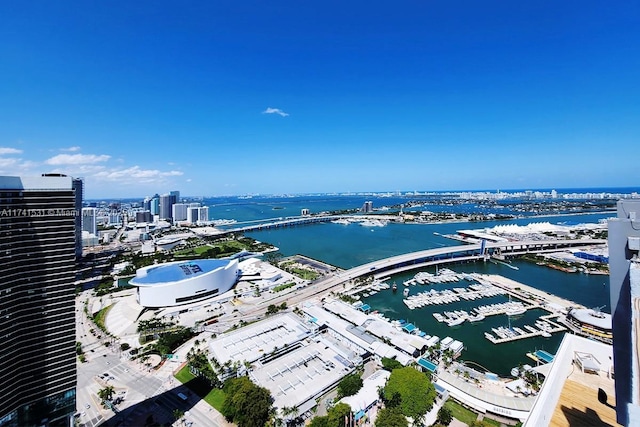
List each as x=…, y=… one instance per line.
x=453, y=254
x=255, y=225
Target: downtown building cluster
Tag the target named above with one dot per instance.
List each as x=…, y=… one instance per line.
x=167, y=207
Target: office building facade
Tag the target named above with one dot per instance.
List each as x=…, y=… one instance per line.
x=179, y=211
x=39, y=225
x=90, y=220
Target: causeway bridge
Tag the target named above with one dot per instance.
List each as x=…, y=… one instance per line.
x=300, y=220
x=453, y=254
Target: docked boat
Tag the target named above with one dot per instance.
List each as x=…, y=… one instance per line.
x=456, y=322
x=515, y=311
x=477, y=318
x=394, y=286
x=405, y=292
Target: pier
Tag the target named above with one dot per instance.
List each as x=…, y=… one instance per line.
x=545, y=327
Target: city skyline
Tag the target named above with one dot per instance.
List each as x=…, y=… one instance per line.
x=308, y=98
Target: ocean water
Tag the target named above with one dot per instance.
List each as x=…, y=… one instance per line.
x=350, y=245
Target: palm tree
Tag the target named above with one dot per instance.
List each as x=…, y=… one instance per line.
x=289, y=413
x=105, y=394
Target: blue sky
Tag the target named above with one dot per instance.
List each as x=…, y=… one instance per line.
x=237, y=97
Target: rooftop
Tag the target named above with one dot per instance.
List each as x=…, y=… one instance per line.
x=593, y=317
x=176, y=271
x=580, y=369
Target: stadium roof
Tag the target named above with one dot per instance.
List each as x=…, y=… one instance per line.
x=176, y=271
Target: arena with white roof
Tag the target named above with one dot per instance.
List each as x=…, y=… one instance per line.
x=183, y=282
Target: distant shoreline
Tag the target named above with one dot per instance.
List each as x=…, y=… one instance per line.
x=453, y=221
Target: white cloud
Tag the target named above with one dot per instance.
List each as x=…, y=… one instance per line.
x=11, y=166
x=136, y=174
x=270, y=110
x=9, y=150
x=8, y=163
x=76, y=159
x=72, y=149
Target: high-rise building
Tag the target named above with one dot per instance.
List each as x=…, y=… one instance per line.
x=165, y=207
x=90, y=220
x=367, y=207
x=624, y=280
x=193, y=215
x=203, y=214
x=175, y=196
x=38, y=228
x=154, y=205
x=179, y=211
x=78, y=190
x=143, y=216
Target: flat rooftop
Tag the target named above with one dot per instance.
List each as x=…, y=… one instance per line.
x=252, y=342
x=302, y=374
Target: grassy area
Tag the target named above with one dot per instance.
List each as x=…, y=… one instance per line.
x=100, y=316
x=304, y=274
x=283, y=287
x=491, y=422
x=213, y=396
x=197, y=251
x=461, y=413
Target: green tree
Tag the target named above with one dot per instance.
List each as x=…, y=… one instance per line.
x=105, y=394
x=391, y=417
x=338, y=413
x=416, y=391
x=335, y=417
x=390, y=364
x=246, y=404
x=445, y=416
x=349, y=385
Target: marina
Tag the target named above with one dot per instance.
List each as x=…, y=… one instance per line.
x=531, y=284
x=531, y=313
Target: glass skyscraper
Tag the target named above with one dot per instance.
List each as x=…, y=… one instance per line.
x=39, y=219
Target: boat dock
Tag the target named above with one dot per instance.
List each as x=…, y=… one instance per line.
x=544, y=327
x=527, y=293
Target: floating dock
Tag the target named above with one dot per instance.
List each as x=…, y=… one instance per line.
x=504, y=334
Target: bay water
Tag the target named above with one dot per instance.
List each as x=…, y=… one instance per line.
x=346, y=246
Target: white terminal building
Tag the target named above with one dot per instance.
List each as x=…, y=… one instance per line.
x=183, y=282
